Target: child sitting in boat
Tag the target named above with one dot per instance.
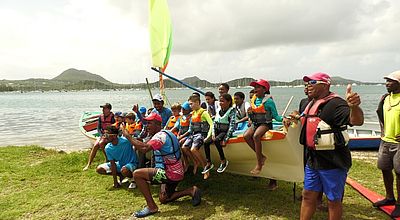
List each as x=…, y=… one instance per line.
x=130, y=123
x=261, y=113
x=241, y=108
x=181, y=128
x=176, y=114
x=105, y=119
x=200, y=130
x=211, y=105
x=224, y=126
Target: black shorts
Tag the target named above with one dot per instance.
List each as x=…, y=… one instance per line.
x=269, y=125
x=158, y=176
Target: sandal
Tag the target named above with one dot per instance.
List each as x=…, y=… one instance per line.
x=384, y=202
x=144, y=212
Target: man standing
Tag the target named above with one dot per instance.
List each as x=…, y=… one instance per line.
x=389, y=156
x=327, y=163
x=168, y=169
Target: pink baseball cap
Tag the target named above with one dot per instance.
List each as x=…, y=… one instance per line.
x=261, y=82
x=318, y=76
x=153, y=117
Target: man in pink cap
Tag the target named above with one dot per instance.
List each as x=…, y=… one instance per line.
x=389, y=156
x=168, y=170
x=327, y=163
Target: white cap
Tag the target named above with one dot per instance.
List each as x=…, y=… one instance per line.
x=394, y=76
x=158, y=97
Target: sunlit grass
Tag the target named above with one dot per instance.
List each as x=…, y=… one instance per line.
x=43, y=184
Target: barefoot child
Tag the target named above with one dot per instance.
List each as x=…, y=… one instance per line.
x=224, y=126
x=262, y=111
x=200, y=130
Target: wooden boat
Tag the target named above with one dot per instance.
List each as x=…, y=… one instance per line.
x=88, y=125
x=367, y=136
x=282, y=148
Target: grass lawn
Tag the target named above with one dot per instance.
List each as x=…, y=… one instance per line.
x=43, y=184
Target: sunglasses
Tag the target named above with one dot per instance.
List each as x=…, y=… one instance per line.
x=314, y=82
x=109, y=135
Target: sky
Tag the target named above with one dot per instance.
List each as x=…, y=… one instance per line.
x=214, y=40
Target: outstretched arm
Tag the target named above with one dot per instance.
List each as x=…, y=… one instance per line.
x=142, y=147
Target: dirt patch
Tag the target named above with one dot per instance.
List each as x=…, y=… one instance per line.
x=367, y=156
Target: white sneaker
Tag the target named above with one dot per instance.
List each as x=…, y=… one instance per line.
x=125, y=180
x=132, y=185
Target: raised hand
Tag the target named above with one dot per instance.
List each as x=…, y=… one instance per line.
x=135, y=108
x=353, y=99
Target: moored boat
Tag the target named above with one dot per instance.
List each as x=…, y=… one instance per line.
x=367, y=136
x=88, y=125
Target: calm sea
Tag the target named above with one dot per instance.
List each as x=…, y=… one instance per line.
x=50, y=119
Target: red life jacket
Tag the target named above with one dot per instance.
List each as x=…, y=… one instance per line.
x=106, y=121
x=311, y=120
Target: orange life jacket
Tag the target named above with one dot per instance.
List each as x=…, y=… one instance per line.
x=199, y=126
x=184, y=123
x=130, y=128
x=171, y=122
x=258, y=114
x=138, y=126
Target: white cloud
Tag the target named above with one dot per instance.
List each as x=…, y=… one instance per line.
x=216, y=40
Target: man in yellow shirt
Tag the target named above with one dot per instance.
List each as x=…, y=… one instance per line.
x=389, y=156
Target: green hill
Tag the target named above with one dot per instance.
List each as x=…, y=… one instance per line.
x=74, y=75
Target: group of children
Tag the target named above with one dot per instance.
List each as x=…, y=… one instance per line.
x=197, y=124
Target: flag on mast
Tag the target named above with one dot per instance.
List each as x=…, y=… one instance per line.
x=160, y=28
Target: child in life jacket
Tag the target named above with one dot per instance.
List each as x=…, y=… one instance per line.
x=200, y=130
x=181, y=128
x=130, y=123
x=261, y=113
x=105, y=119
x=224, y=126
x=176, y=114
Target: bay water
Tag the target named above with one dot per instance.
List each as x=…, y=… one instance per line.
x=51, y=119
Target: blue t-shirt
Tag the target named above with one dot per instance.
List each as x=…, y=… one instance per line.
x=122, y=152
x=165, y=113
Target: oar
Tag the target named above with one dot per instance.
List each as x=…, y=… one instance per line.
x=178, y=81
x=287, y=106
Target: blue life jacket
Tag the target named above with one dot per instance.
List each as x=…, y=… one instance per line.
x=169, y=149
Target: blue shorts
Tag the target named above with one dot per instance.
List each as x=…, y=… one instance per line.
x=107, y=167
x=331, y=182
x=194, y=140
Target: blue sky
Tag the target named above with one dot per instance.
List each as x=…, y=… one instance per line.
x=215, y=40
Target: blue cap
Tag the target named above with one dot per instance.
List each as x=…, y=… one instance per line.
x=119, y=114
x=142, y=109
x=186, y=106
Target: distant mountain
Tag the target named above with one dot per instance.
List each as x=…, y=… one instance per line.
x=240, y=82
x=73, y=79
x=74, y=75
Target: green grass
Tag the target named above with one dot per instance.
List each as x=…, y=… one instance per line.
x=43, y=184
